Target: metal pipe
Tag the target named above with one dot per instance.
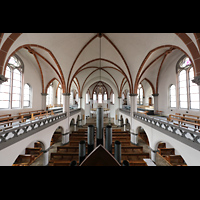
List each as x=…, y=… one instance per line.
x=109, y=138
x=90, y=138
x=117, y=154
x=82, y=153
x=99, y=124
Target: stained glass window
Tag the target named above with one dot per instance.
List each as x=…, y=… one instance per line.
x=185, y=63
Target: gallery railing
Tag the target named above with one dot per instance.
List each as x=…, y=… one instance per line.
x=22, y=130
x=188, y=136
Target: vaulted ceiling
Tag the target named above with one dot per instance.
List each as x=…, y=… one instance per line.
x=121, y=60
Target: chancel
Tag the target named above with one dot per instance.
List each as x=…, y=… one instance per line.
x=99, y=99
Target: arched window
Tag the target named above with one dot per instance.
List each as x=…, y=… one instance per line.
x=105, y=97
x=87, y=98
x=27, y=95
x=172, y=94
x=194, y=91
x=10, y=91
x=100, y=98
x=71, y=98
x=188, y=91
x=112, y=98
x=140, y=95
x=5, y=90
x=94, y=96
x=59, y=95
x=49, y=98
x=183, y=89
x=16, y=89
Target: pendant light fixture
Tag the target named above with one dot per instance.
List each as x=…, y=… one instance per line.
x=100, y=35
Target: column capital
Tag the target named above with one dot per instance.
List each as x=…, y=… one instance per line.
x=155, y=95
x=66, y=94
x=44, y=94
x=133, y=95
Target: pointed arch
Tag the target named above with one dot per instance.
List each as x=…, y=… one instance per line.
x=96, y=59
x=53, y=79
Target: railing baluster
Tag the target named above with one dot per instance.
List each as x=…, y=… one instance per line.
x=177, y=130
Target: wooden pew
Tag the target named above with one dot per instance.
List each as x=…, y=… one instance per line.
x=40, y=114
x=193, y=116
x=74, y=138
x=36, y=151
x=74, y=143
x=24, y=160
x=62, y=163
x=8, y=120
x=135, y=156
x=159, y=112
x=120, y=134
x=4, y=118
x=70, y=156
x=27, y=114
x=137, y=163
x=56, y=137
x=184, y=120
x=123, y=143
x=121, y=139
x=61, y=149
x=144, y=137
x=166, y=151
x=175, y=160
x=162, y=145
x=131, y=149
